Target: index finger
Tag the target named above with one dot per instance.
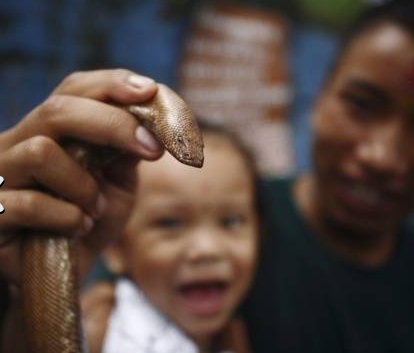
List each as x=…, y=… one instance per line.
x=118, y=85
x=94, y=122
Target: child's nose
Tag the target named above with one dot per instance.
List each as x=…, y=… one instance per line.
x=204, y=246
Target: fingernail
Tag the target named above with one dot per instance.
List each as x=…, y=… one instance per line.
x=140, y=81
x=101, y=205
x=146, y=139
x=86, y=227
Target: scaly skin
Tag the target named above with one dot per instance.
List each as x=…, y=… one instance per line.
x=50, y=280
x=169, y=118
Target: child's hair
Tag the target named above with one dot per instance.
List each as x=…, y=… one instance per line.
x=212, y=128
x=248, y=157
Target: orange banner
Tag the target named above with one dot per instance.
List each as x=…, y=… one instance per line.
x=234, y=72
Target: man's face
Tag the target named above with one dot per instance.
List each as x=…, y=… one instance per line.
x=364, y=134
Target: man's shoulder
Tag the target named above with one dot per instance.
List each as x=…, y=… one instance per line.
x=274, y=194
x=278, y=207
x=276, y=184
x=409, y=226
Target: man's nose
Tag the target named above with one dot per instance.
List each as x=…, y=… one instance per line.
x=382, y=150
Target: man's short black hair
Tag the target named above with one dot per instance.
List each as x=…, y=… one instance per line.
x=398, y=12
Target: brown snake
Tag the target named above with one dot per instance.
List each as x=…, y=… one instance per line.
x=50, y=280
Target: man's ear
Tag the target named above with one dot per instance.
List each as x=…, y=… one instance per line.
x=114, y=258
x=315, y=111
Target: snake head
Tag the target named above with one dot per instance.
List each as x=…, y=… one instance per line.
x=187, y=147
x=174, y=125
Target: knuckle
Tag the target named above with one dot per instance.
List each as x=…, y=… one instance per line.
x=120, y=74
x=52, y=106
x=115, y=121
x=27, y=203
x=88, y=191
x=40, y=149
x=75, y=218
x=73, y=77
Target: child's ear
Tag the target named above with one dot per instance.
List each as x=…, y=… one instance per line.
x=114, y=259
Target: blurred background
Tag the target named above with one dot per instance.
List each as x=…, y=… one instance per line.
x=252, y=65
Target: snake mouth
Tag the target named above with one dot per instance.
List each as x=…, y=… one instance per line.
x=185, y=152
x=191, y=161
x=188, y=159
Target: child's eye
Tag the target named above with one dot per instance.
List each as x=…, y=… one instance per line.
x=169, y=223
x=232, y=221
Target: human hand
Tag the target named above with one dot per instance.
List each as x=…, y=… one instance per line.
x=46, y=189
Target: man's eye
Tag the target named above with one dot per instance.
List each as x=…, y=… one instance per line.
x=232, y=221
x=169, y=223
x=364, y=106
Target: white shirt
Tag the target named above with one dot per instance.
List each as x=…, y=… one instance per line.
x=136, y=326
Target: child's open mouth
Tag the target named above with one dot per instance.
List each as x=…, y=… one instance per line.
x=203, y=298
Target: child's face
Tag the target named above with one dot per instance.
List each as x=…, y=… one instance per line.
x=190, y=244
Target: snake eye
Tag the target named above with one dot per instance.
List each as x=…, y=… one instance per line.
x=180, y=139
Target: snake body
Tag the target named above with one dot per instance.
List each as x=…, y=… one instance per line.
x=50, y=279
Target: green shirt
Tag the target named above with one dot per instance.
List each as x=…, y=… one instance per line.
x=306, y=299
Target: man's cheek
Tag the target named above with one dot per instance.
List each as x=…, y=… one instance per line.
x=328, y=154
x=1, y=183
